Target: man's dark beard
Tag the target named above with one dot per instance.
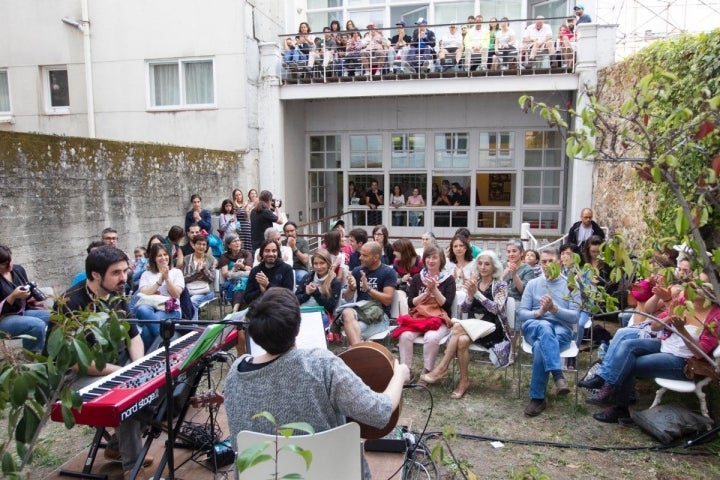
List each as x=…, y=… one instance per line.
x=111, y=291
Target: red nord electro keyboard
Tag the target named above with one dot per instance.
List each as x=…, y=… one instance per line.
x=114, y=398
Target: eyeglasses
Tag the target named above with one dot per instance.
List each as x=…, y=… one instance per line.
x=545, y=262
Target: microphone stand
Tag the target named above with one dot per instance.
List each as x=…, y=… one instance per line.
x=167, y=331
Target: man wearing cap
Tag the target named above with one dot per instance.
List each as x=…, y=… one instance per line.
x=477, y=43
x=582, y=17
x=374, y=53
x=400, y=43
x=451, y=44
x=423, y=44
x=537, y=37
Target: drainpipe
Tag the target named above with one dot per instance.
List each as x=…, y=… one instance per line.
x=84, y=26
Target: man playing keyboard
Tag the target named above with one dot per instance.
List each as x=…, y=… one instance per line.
x=106, y=268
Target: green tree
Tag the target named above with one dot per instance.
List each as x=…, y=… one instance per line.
x=30, y=384
x=666, y=127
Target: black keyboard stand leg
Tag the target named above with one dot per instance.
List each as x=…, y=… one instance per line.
x=96, y=445
x=182, y=396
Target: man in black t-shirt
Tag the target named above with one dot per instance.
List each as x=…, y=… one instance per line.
x=106, y=268
x=374, y=199
x=371, y=281
x=271, y=272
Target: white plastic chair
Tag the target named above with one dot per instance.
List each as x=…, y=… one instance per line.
x=336, y=454
x=571, y=351
x=686, y=386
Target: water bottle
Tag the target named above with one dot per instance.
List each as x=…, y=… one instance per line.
x=602, y=350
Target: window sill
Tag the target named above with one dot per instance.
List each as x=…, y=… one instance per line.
x=181, y=108
x=58, y=111
x=7, y=119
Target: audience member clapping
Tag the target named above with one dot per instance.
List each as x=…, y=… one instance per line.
x=160, y=278
x=431, y=293
x=692, y=333
x=235, y=265
x=407, y=262
x=198, y=215
x=199, y=272
x=486, y=297
x=320, y=288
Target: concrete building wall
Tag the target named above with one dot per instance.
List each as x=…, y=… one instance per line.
x=60, y=192
x=124, y=36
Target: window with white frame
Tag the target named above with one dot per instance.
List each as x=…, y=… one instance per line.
x=408, y=150
x=451, y=150
x=366, y=151
x=497, y=149
x=542, y=179
x=181, y=83
x=325, y=151
x=57, y=89
x=4, y=92
x=494, y=9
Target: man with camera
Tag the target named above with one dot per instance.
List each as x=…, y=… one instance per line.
x=265, y=214
x=21, y=312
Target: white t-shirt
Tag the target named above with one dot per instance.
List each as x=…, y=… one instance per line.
x=674, y=343
x=176, y=277
x=452, y=41
x=531, y=32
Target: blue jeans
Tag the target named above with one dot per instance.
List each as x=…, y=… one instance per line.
x=547, y=340
x=641, y=358
x=294, y=55
x=32, y=323
x=299, y=275
x=606, y=372
x=197, y=300
x=151, y=331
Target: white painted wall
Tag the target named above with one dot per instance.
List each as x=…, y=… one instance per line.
x=124, y=35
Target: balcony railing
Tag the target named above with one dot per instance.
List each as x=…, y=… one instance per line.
x=310, y=59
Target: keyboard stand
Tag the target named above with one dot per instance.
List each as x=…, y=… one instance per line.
x=97, y=443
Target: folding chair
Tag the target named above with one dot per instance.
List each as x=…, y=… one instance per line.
x=571, y=351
